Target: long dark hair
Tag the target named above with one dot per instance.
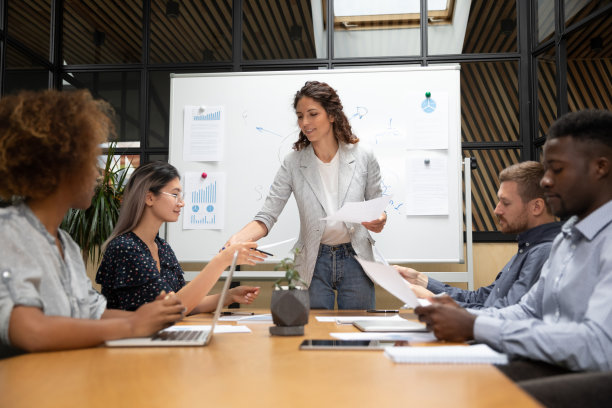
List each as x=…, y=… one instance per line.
x=330, y=101
x=150, y=177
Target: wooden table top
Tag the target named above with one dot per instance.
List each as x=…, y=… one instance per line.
x=248, y=370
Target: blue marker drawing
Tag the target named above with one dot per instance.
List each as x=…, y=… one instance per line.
x=428, y=105
x=396, y=207
x=262, y=130
x=210, y=208
x=385, y=187
x=195, y=208
x=361, y=112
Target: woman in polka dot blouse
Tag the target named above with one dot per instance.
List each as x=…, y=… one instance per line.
x=137, y=264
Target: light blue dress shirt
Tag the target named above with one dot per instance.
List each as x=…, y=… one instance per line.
x=566, y=317
x=515, y=279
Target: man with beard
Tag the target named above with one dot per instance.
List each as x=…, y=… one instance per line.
x=564, y=323
x=521, y=210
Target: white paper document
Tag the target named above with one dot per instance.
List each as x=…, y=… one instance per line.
x=351, y=319
x=429, y=119
x=411, y=337
x=477, y=354
x=218, y=328
x=391, y=280
x=203, y=133
x=361, y=211
x=274, y=244
x=261, y=318
x=427, y=185
x=204, y=201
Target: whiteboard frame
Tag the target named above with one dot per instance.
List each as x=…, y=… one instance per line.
x=314, y=73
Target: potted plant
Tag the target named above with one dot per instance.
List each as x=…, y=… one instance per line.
x=91, y=227
x=290, y=303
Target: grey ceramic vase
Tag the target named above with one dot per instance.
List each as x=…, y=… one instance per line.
x=290, y=310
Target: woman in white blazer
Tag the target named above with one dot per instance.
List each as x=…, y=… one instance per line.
x=327, y=169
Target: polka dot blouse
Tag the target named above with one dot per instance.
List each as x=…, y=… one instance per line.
x=129, y=276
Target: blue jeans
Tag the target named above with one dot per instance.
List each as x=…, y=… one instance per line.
x=338, y=270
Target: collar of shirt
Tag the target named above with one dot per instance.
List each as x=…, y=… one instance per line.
x=539, y=234
x=594, y=222
x=24, y=209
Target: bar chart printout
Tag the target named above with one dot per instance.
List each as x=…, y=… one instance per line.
x=204, y=201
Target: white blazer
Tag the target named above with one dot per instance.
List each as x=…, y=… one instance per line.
x=358, y=180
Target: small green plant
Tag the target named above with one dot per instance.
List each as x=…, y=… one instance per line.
x=292, y=277
x=91, y=227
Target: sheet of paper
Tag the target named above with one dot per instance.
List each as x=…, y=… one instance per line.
x=429, y=120
x=361, y=211
x=274, y=244
x=427, y=185
x=390, y=279
x=261, y=318
x=412, y=337
x=203, y=133
x=218, y=328
x=351, y=319
x=204, y=201
x=477, y=354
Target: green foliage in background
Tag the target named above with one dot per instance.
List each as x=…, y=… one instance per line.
x=292, y=277
x=91, y=227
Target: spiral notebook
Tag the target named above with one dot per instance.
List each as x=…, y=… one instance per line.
x=476, y=354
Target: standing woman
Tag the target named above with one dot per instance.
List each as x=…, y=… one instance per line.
x=137, y=263
x=327, y=169
x=49, y=144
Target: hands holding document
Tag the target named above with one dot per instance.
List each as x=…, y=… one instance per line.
x=368, y=213
x=390, y=279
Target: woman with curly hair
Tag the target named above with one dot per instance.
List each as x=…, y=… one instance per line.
x=49, y=143
x=327, y=169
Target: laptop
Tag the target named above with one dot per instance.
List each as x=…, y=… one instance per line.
x=185, y=335
x=389, y=325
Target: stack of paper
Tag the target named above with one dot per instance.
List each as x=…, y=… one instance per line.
x=477, y=354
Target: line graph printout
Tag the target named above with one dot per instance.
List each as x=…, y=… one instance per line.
x=203, y=133
x=204, y=201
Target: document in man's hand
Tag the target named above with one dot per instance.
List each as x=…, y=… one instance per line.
x=477, y=354
x=391, y=280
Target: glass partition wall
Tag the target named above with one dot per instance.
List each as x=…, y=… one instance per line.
x=523, y=63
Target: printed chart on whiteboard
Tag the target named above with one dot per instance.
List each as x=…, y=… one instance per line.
x=204, y=201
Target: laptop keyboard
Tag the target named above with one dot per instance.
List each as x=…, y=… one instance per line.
x=182, y=335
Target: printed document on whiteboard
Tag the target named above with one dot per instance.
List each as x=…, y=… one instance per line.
x=427, y=184
x=204, y=201
x=203, y=133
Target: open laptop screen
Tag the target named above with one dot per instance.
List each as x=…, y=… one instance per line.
x=182, y=335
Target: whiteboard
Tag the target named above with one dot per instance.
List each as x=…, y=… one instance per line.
x=260, y=127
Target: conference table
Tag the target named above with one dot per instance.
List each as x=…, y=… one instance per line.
x=249, y=370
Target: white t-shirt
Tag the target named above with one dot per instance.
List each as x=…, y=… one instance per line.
x=335, y=231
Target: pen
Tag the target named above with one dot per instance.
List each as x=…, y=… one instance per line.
x=258, y=250
x=237, y=313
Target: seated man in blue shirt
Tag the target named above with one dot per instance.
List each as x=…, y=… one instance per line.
x=564, y=323
x=521, y=210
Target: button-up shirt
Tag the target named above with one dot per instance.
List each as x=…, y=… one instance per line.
x=33, y=273
x=515, y=279
x=566, y=317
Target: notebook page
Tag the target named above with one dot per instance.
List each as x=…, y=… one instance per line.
x=477, y=354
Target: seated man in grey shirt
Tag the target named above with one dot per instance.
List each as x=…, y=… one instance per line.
x=564, y=323
x=521, y=210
